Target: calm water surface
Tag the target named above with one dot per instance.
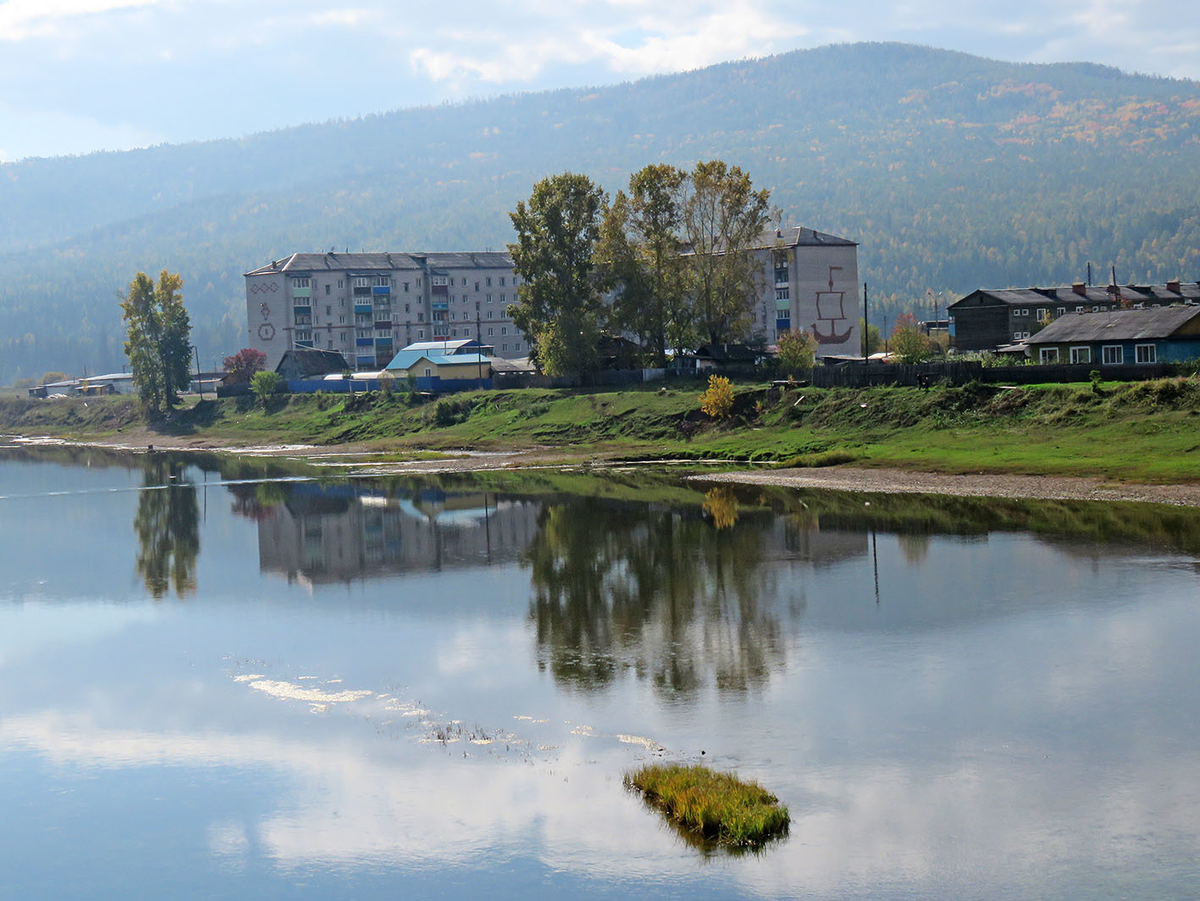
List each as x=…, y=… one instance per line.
x=217, y=686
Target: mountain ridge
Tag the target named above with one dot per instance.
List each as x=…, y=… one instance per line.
x=897, y=146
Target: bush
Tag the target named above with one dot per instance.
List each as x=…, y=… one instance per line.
x=717, y=399
x=264, y=384
x=797, y=350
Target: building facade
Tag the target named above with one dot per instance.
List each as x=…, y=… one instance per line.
x=810, y=283
x=1121, y=337
x=988, y=318
x=366, y=306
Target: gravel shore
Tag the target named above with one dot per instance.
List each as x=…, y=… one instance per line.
x=894, y=481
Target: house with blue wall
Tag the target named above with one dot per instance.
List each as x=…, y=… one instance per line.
x=1168, y=334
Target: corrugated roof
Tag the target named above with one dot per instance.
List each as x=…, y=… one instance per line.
x=1117, y=325
x=1066, y=295
x=797, y=236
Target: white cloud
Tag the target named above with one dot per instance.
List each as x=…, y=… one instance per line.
x=20, y=19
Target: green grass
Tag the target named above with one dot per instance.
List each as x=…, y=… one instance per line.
x=716, y=807
x=1145, y=431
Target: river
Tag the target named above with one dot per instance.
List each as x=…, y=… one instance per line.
x=220, y=678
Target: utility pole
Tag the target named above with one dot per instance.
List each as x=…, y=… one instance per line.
x=199, y=380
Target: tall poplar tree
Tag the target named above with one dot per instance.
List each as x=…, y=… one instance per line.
x=723, y=218
x=558, y=304
x=157, y=345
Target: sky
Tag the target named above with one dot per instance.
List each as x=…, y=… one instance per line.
x=83, y=75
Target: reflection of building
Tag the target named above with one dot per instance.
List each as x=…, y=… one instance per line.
x=340, y=534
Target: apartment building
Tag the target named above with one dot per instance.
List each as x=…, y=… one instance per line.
x=810, y=284
x=366, y=306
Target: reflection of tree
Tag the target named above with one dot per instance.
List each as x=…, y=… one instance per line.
x=257, y=500
x=167, y=528
x=721, y=504
x=637, y=586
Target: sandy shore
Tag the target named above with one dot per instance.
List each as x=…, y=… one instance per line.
x=892, y=481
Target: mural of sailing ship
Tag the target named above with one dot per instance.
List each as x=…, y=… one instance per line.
x=830, y=312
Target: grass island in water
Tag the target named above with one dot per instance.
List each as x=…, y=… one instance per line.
x=716, y=807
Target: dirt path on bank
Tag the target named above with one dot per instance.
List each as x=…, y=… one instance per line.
x=893, y=481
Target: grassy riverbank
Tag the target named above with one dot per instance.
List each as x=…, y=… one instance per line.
x=1146, y=431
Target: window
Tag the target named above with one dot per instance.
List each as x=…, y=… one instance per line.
x=428, y=372
x=781, y=293
x=301, y=282
x=420, y=333
x=489, y=281
x=1048, y=355
x=381, y=281
x=327, y=289
x=491, y=331
x=1081, y=309
x=1062, y=311
x=1016, y=336
x=476, y=284
x=420, y=317
x=1081, y=354
x=1025, y=311
x=342, y=319
x=502, y=297
x=340, y=284
x=406, y=286
x=406, y=308
x=1043, y=314
x=489, y=298
x=1146, y=353
x=505, y=347
x=362, y=281
x=517, y=346
x=504, y=331
x=502, y=283
x=1112, y=354
x=1096, y=309
x=328, y=310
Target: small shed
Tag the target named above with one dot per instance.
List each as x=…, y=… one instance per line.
x=301, y=364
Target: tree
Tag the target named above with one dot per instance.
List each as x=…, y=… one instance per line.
x=797, y=350
x=723, y=217
x=243, y=364
x=264, y=384
x=717, y=399
x=157, y=329
x=908, y=342
x=872, y=340
x=558, y=303
x=640, y=242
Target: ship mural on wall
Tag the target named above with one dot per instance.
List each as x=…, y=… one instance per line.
x=830, y=312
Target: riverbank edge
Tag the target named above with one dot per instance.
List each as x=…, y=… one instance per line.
x=358, y=461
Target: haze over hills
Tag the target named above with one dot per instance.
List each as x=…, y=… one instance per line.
x=951, y=171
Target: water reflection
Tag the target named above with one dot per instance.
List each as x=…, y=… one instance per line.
x=167, y=528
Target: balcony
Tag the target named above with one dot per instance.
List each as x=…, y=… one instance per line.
x=302, y=292
x=383, y=325
x=299, y=311
x=363, y=309
x=439, y=290
x=362, y=290
x=364, y=342
x=381, y=289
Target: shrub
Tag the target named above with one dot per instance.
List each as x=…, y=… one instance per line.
x=797, y=350
x=264, y=384
x=717, y=399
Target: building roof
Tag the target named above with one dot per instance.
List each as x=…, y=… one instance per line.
x=1117, y=325
x=309, y=361
x=447, y=346
x=382, y=261
x=796, y=236
x=408, y=358
x=1174, y=292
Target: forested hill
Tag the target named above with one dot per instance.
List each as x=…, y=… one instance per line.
x=950, y=170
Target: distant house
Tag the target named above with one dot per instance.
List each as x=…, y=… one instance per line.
x=1121, y=337
x=989, y=318
x=298, y=365
x=425, y=365
x=713, y=356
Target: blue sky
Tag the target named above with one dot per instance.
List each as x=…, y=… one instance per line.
x=83, y=75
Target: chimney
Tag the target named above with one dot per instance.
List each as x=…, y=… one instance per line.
x=1079, y=288
x=1173, y=286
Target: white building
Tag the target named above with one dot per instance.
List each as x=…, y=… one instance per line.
x=367, y=305
x=810, y=284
